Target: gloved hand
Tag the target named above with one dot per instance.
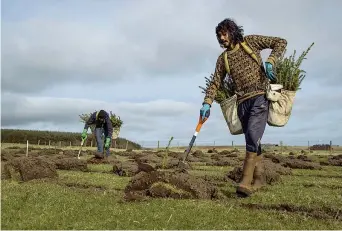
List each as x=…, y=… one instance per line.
x=269, y=71
x=205, y=111
x=84, y=134
x=107, y=143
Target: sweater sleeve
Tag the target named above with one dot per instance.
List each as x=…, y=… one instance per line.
x=90, y=121
x=220, y=72
x=261, y=42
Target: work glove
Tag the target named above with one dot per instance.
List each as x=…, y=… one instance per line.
x=205, y=111
x=84, y=134
x=107, y=143
x=269, y=71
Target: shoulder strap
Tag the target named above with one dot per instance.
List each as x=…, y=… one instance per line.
x=246, y=48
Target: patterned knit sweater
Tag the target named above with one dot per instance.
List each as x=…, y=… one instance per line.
x=248, y=75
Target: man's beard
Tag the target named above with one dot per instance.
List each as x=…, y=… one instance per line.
x=225, y=44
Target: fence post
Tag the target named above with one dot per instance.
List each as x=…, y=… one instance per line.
x=60, y=143
x=309, y=146
x=281, y=147
x=70, y=144
x=27, y=144
x=214, y=143
x=49, y=143
x=126, y=144
x=330, y=147
x=38, y=142
x=158, y=145
x=232, y=143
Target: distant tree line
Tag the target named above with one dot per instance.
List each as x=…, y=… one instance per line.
x=54, y=137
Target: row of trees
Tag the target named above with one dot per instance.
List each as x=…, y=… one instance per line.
x=54, y=138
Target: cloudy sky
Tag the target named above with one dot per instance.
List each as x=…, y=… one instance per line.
x=144, y=60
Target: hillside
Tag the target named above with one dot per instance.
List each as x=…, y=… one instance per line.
x=55, y=138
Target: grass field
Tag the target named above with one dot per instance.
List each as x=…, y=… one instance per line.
x=307, y=199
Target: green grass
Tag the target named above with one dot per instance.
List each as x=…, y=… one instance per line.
x=42, y=205
x=93, y=200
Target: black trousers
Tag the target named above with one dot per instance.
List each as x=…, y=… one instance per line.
x=253, y=115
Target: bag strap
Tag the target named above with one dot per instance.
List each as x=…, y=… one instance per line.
x=246, y=48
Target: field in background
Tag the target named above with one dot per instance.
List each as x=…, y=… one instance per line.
x=308, y=199
x=284, y=149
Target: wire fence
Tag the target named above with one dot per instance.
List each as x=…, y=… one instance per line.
x=179, y=143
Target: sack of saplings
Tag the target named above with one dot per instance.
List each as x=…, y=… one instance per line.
x=282, y=93
x=116, y=123
x=227, y=100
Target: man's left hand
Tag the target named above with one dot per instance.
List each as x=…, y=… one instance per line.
x=269, y=71
x=107, y=143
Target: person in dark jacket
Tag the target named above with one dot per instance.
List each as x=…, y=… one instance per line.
x=103, y=126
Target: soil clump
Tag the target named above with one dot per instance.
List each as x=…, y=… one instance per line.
x=292, y=162
x=333, y=161
x=131, y=168
x=29, y=168
x=176, y=184
x=71, y=164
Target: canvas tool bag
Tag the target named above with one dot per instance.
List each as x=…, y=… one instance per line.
x=116, y=132
x=280, y=106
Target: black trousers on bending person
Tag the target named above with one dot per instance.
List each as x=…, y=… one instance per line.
x=253, y=114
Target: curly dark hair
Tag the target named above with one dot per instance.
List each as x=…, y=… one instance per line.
x=235, y=32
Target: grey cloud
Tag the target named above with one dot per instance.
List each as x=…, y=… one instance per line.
x=153, y=42
x=20, y=110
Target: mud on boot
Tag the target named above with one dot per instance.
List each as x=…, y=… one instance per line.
x=245, y=188
x=99, y=155
x=258, y=176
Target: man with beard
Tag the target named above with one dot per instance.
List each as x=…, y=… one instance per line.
x=103, y=125
x=250, y=81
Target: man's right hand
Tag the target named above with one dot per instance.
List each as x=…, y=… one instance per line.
x=205, y=111
x=84, y=134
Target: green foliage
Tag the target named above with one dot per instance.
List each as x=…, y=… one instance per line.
x=20, y=136
x=224, y=90
x=288, y=70
x=116, y=120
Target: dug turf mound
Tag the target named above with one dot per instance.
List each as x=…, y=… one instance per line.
x=71, y=164
x=168, y=185
x=292, y=162
x=131, y=168
x=29, y=168
x=333, y=161
x=223, y=160
x=272, y=172
x=107, y=160
x=6, y=156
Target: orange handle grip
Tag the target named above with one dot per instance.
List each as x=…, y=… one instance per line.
x=200, y=123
